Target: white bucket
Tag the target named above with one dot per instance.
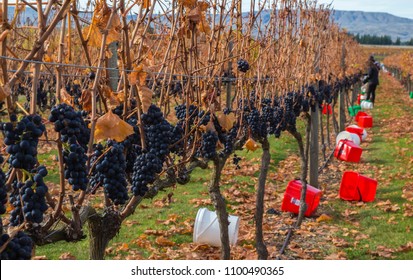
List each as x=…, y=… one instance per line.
x=349, y=136
x=363, y=97
x=364, y=135
x=366, y=105
x=206, y=228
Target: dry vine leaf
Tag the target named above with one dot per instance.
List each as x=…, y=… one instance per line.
x=187, y=3
x=226, y=121
x=251, y=145
x=194, y=15
x=145, y=94
x=95, y=38
x=324, y=218
x=66, y=97
x=145, y=3
x=162, y=241
x=138, y=76
x=4, y=92
x=86, y=99
x=110, y=126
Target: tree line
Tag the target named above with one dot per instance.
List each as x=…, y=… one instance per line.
x=368, y=39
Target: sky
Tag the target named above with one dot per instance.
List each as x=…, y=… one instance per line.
x=401, y=8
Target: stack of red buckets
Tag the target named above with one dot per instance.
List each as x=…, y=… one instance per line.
x=354, y=186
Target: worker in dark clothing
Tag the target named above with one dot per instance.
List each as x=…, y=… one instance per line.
x=372, y=79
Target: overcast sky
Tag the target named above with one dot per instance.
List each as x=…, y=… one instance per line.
x=401, y=8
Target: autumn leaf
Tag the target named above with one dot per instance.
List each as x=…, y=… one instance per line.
x=47, y=58
x=138, y=76
x=408, y=192
x=145, y=3
x=66, y=97
x=95, y=37
x=110, y=126
x=324, y=218
x=145, y=94
x=226, y=121
x=67, y=256
x=187, y=3
x=194, y=15
x=251, y=145
x=86, y=100
x=162, y=241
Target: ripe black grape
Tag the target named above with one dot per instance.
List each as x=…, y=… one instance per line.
x=75, y=167
x=3, y=190
x=146, y=167
x=208, y=145
x=243, y=65
x=19, y=247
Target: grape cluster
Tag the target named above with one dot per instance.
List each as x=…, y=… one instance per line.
x=110, y=172
x=28, y=199
x=22, y=139
x=146, y=166
x=19, y=248
x=70, y=124
x=158, y=138
x=3, y=190
x=180, y=111
x=243, y=65
x=208, y=145
x=75, y=167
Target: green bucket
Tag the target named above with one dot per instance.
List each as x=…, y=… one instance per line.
x=353, y=110
x=411, y=94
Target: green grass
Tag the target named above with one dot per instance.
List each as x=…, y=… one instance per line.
x=148, y=216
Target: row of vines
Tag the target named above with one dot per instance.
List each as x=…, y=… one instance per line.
x=134, y=95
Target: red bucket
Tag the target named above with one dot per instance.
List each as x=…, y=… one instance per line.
x=291, y=201
x=347, y=150
x=327, y=110
x=365, y=121
x=360, y=114
x=356, y=187
x=356, y=130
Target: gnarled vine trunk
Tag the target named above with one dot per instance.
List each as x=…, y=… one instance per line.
x=102, y=228
x=220, y=206
x=259, y=203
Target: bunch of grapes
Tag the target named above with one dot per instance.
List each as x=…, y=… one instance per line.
x=22, y=139
x=158, y=138
x=28, y=199
x=70, y=124
x=3, y=190
x=180, y=111
x=75, y=167
x=146, y=167
x=209, y=145
x=19, y=248
x=243, y=65
x=110, y=172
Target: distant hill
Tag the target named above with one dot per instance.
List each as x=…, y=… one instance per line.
x=375, y=24
x=353, y=21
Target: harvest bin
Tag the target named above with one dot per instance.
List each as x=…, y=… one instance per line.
x=347, y=150
x=356, y=187
x=291, y=201
x=365, y=121
x=360, y=114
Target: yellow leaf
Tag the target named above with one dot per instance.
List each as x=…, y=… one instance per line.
x=251, y=145
x=66, y=97
x=110, y=126
x=145, y=94
x=226, y=121
x=324, y=218
x=162, y=241
x=95, y=36
x=194, y=15
x=120, y=95
x=145, y=3
x=203, y=6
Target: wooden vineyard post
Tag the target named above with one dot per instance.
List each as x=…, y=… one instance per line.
x=314, y=147
x=113, y=63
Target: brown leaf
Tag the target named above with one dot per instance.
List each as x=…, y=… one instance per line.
x=66, y=97
x=42, y=258
x=162, y=241
x=110, y=126
x=251, y=145
x=187, y=3
x=67, y=256
x=86, y=100
x=324, y=218
x=137, y=76
x=145, y=95
x=194, y=15
x=408, y=192
x=408, y=210
x=226, y=121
